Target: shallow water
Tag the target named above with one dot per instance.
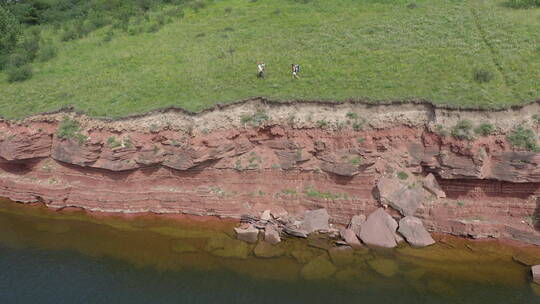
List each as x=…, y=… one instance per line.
x=72, y=257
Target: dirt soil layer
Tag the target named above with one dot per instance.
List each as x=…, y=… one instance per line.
x=257, y=155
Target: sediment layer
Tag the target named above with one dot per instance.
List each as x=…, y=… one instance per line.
x=287, y=157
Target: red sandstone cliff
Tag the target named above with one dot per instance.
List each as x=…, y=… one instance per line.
x=227, y=170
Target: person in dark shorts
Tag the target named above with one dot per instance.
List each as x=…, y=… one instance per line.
x=295, y=70
x=260, y=69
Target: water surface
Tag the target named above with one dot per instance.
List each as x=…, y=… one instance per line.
x=73, y=257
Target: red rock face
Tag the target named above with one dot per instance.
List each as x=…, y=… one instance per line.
x=491, y=190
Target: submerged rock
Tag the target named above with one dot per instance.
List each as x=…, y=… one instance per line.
x=228, y=248
x=431, y=185
x=271, y=234
x=183, y=247
x=379, y=230
x=267, y=250
x=318, y=268
x=536, y=273
x=385, y=267
x=404, y=198
x=414, y=232
x=342, y=255
x=315, y=220
x=302, y=256
x=249, y=234
x=526, y=259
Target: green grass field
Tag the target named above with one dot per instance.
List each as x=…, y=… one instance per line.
x=359, y=49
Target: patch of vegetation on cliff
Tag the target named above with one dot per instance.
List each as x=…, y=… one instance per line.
x=135, y=56
x=256, y=119
x=484, y=129
x=70, y=129
x=463, y=130
x=524, y=138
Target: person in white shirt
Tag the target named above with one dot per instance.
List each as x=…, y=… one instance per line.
x=260, y=68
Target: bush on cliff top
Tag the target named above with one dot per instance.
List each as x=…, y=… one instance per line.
x=70, y=129
x=462, y=130
x=524, y=138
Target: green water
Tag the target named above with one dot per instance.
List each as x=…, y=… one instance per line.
x=72, y=257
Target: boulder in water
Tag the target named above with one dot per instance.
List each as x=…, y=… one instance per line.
x=414, y=232
x=379, y=230
x=536, y=273
x=271, y=234
x=248, y=234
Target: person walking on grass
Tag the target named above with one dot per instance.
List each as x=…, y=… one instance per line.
x=260, y=68
x=295, y=70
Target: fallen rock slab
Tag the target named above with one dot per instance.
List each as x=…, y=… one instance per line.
x=536, y=273
x=431, y=185
x=350, y=238
x=404, y=198
x=414, y=232
x=271, y=234
x=379, y=230
x=295, y=232
x=356, y=223
x=315, y=220
x=249, y=234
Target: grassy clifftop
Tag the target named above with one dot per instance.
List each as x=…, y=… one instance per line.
x=456, y=52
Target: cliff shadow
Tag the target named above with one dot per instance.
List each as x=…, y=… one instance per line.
x=536, y=216
x=18, y=167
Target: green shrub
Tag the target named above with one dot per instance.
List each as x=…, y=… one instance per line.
x=10, y=31
x=46, y=52
x=152, y=28
x=439, y=129
x=113, y=143
x=536, y=119
x=402, y=175
x=30, y=45
x=18, y=59
x=412, y=5
x=484, y=129
x=462, y=130
x=18, y=74
x=483, y=76
x=257, y=119
x=524, y=138
x=69, y=34
x=108, y=36
x=70, y=128
x=356, y=161
x=523, y=3
x=352, y=115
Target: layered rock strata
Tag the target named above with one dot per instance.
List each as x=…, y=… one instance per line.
x=286, y=158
